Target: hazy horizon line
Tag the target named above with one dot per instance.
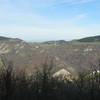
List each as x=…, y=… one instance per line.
x=37, y=40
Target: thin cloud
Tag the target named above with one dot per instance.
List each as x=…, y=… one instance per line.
x=19, y=21
x=81, y=16
x=49, y=3
x=81, y=1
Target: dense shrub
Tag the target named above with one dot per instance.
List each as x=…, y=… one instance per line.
x=42, y=86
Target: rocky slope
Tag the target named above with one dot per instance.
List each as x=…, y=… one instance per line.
x=72, y=56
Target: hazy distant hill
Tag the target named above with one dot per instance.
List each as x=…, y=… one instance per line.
x=90, y=39
x=56, y=42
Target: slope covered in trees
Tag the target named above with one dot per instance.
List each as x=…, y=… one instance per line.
x=90, y=39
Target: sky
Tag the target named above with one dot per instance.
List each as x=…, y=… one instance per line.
x=43, y=20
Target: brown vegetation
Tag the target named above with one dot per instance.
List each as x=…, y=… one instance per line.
x=42, y=86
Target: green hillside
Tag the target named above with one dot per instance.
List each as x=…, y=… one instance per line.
x=90, y=39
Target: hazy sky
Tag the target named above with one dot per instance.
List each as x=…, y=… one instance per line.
x=41, y=20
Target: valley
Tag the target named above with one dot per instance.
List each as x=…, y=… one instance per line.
x=73, y=56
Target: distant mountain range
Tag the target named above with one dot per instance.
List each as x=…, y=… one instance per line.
x=87, y=39
x=55, y=42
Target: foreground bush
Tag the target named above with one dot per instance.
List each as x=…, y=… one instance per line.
x=42, y=86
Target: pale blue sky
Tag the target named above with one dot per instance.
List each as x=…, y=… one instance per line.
x=41, y=20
